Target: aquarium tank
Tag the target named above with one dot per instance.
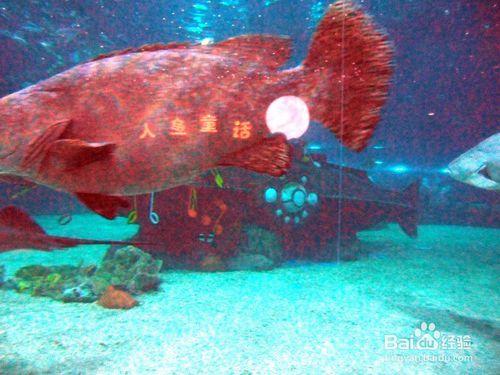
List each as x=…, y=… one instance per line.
x=249, y=187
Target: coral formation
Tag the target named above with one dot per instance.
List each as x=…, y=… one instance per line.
x=114, y=298
x=52, y=282
x=129, y=268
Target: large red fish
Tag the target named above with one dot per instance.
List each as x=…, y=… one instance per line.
x=151, y=118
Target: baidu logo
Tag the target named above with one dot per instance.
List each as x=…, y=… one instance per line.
x=427, y=337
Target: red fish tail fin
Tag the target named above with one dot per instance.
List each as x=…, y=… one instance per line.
x=407, y=218
x=348, y=42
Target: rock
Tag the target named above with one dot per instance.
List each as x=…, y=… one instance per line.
x=128, y=267
x=261, y=251
x=264, y=242
x=33, y=271
x=212, y=263
x=250, y=262
x=2, y=275
x=114, y=298
x=80, y=293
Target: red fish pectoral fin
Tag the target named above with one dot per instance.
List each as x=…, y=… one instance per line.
x=67, y=154
x=105, y=205
x=39, y=146
x=272, y=156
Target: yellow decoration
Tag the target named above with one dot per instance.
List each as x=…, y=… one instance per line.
x=132, y=217
x=219, y=181
x=242, y=130
x=147, y=132
x=178, y=127
x=208, y=124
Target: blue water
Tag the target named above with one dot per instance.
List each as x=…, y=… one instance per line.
x=304, y=317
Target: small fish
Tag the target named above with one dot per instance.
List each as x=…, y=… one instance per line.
x=151, y=118
x=67, y=34
x=14, y=36
x=46, y=44
x=32, y=27
x=106, y=39
x=480, y=166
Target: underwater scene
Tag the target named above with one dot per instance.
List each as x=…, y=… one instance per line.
x=249, y=187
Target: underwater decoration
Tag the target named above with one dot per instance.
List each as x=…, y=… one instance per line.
x=274, y=180
x=147, y=119
x=187, y=233
x=128, y=268
x=114, y=298
x=294, y=200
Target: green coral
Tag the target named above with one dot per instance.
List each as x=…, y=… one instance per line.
x=23, y=286
x=53, y=279
x=39, y=280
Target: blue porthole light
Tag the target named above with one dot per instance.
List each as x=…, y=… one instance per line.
x=312, y=199
x=270, y=195
x=299, y=197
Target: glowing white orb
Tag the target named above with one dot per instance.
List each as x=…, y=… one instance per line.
x=288, y=115
x=207, y=41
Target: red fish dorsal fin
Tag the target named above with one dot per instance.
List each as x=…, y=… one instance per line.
x=15, y=218
x=269, y=50
x=144, y=48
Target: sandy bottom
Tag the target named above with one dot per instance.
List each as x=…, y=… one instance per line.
x=299, y=319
